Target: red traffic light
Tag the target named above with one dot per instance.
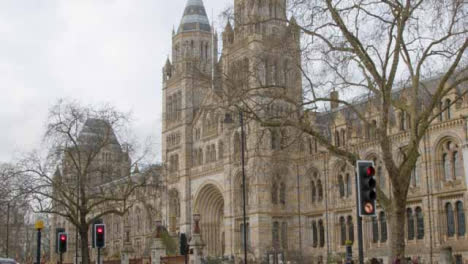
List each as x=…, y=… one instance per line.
x=100, y=230
x=370, y=172
x=63, y=237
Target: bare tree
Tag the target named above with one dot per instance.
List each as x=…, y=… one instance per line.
x=386, y=57
x=83, y=170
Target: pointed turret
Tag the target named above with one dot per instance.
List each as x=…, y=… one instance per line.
x=194, y=18
x=228, y=34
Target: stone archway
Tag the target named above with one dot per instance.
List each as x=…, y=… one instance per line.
x=210, y=205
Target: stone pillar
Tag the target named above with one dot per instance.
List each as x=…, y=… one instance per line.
x=196, y=243
x=446, y=255
x=465, y=150
x=158, y=250
x=127, y=246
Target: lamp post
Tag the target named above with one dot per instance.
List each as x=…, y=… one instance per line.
x=8, y=229
x=228, y=120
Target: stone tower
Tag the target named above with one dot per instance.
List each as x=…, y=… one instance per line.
x=186, y=80
x=263, y=42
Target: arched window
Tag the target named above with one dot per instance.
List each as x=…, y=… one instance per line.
x=284, y=235
x=319, y=190
x=350, y=228
x=274, y=139
x=450, y=220
x=375, y=230
x=220, y=150
x=373, y=132
x=247, y=191
x=420, y=222
x=450, y=161
x=237, y=145
x=274, y=193
x=313, y=191
x=314, y=234
x=460, y=219
x=402, y=121
x=441, y=113
x=275, y=234
x=456, y=164
x=448, y=111
x=213, y=152
x=349, y=189
x=286, y=73
x=446, y=166
x=341, y=187
x=343, y=137
x=343, y=230
x=410, y=223
x=415, y=175
x=282, y=193
x=322, y=233
x=337, y=138
x=200, y=156
x=383, y=227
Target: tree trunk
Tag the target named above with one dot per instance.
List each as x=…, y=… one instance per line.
x=84, y=244
x=397, y=221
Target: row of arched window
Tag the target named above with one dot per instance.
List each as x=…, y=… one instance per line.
x=345, y=185
x=173, y=139
x=415, y=223
x=451, y=161
x=346, y=229
x=445, y=110
x=211, y=154
x=340, y=137
x=189, y=48
x=174, y=107
x=318, y=234
x=280, y=234
x=278, y=192
x=455, y=219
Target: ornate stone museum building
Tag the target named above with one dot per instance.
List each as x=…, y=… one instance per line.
x=300, y=199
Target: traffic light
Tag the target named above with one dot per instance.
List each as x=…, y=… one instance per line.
x=57, y=232
x=367, y=194
x=100, y=233
x=62, y=242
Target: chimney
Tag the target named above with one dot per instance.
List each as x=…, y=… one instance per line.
x=334, y=97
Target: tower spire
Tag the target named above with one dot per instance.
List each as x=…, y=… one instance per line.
x=194, y=17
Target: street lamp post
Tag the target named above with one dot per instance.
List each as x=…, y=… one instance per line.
x=8, y=229
x=228, y=120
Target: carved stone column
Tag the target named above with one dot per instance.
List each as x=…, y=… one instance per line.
x=465, y=150
x=127, y=250
x=196, y=244
x=158, y=249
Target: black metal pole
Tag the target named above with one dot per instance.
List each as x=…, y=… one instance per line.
x=99, y=255
x=359, y=227
x=8, y=230
x=38, y=253
x=241, y=116
x=61, y=257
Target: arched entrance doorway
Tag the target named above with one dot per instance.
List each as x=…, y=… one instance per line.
x=210, y=206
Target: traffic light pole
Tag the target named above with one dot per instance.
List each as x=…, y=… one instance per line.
x=61, y=257
x=359, y=225
x=38, y=252
x=99, y=255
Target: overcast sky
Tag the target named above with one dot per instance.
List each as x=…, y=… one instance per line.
x=97, y=51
